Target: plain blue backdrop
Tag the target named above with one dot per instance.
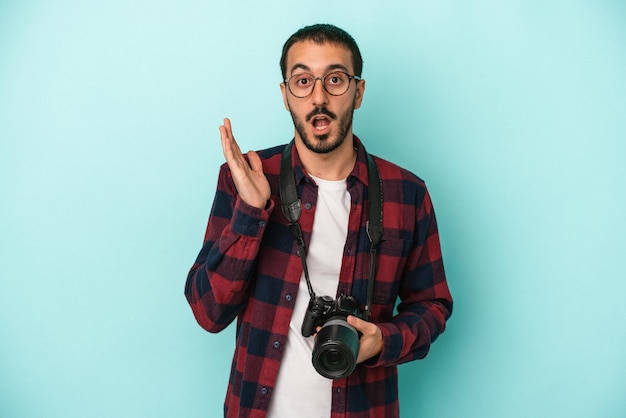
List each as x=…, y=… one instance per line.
x=512, y=111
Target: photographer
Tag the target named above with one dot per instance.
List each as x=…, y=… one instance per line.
x=345, y=286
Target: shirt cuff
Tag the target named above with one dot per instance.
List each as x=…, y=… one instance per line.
x=392, y=347
x=249, y=220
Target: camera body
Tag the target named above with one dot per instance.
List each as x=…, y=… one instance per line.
x=322, y=308
x=337, y=342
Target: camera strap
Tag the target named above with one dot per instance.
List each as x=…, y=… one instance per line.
x=292, y=208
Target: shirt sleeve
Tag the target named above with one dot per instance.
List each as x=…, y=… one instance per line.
x=219, y=282
x=425, y=300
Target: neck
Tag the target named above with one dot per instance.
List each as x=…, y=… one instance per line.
x=335, y=165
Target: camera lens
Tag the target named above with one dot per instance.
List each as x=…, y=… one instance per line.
x=336, y=349
x=334, y=362
x=333, y=359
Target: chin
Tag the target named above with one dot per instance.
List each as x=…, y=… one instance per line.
x=322, y=138
x=322, y=144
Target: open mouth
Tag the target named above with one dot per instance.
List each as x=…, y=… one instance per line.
x=321, y=123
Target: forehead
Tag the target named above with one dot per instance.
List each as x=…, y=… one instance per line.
x=318, y=58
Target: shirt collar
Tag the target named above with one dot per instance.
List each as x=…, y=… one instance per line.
x=359, y=172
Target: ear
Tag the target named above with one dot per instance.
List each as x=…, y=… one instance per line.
x=283, y=90
x=360, y=90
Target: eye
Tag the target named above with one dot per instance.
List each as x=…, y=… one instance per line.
x=336, y=79
x=302, y=81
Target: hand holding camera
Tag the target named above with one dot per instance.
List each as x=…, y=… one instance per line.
x=337, y=342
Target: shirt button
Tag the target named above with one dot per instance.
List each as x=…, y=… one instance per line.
x=276, y=344
x=288, y=298
x=307, y=206
x=264, y=391
x=262, y=224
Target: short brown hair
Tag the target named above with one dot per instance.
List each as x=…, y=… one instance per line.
x=321, y=34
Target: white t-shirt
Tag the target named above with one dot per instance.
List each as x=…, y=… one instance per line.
x=301, y=391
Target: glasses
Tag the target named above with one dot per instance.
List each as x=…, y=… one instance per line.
x=335, y=83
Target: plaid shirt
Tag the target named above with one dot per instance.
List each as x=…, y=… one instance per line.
x=249, y=269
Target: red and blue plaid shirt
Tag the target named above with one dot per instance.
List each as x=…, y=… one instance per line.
x=249, y=269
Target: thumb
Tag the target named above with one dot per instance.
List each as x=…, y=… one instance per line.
x=255, y=162
x=357, y=323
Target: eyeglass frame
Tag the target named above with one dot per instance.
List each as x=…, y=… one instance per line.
x=350, y=78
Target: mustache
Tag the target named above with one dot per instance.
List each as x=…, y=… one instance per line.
x=320, y=110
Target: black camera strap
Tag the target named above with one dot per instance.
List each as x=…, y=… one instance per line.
x=292, y=208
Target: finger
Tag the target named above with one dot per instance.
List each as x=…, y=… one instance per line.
x=229, y=145
x=255, y=162
x=356, y=322
x=225, y=135
x=226, y=130
x=362, y=326
x=227, y=127
x=229, y=132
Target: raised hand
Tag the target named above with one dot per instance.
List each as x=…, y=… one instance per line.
x=251, y=183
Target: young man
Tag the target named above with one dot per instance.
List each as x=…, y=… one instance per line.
x=250, y=267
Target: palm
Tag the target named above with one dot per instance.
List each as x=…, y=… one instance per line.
x=250, y=181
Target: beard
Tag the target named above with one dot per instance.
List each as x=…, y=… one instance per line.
x=323, y=144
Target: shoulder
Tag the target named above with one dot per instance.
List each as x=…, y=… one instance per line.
x=405, y=195
x=401, y=185
x=270, y=157
x=271, y=160
x=270, y=153
x=391, y=172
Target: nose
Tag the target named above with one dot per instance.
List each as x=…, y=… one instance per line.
x=319, y=94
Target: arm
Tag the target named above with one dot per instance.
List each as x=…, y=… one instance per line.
x=425, y=301
x=218, y=283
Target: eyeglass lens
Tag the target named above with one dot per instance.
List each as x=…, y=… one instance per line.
x=335, y=83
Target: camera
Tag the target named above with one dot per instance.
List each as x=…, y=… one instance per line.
x=337, y=342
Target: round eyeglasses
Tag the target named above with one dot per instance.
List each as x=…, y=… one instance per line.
x=335, y=83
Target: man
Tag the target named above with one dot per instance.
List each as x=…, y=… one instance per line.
x=250, y=267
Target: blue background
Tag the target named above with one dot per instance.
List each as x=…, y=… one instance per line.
x=512, y=111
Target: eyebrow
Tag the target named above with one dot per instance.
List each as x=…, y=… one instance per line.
x=328, y=69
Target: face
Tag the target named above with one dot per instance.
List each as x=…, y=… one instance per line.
x=322, y=122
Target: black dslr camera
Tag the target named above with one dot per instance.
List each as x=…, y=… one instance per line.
x=337, y=342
